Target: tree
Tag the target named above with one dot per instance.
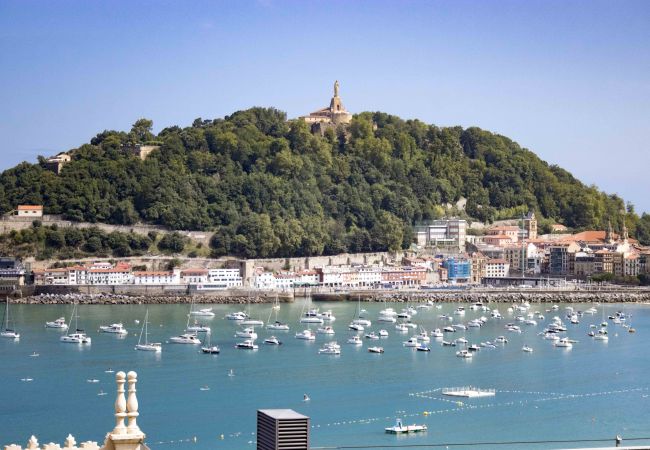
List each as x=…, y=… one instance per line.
x=141, y=131
x=124, y=213
x=388, y=233
x=172, y=242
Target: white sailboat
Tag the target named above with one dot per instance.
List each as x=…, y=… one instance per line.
x=7, y=332
x=186, y=338
x=147, y=346
x=311, y=316
x=277, y=325
x=78, y=337
x=249, y=320
x=210, y=349
x=276, y=303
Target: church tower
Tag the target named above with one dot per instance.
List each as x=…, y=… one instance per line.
x=609, y=235
x=624, y=234
x=333, y=115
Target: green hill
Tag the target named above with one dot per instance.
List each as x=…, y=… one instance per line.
x=269, y=187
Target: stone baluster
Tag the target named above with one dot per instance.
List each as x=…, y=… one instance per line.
x=70, y=442
x=132, y=404
x=32, y=444
x=120, y=404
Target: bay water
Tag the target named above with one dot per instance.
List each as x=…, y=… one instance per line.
x=192, y=400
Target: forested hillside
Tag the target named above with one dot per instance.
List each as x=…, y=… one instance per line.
x=269, y=187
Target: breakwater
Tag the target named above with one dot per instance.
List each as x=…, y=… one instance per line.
x=250, y=296
x=569, y=296
x=122, y=299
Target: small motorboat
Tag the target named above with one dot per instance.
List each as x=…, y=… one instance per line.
x=464, y=354
x=355, y=340
x=473, y=348
x=58, y=323
x=115, y=328
x=448, y=344
x=501, y=340
x=186, y=338
x=376, y=349
x=277, y=325
x=329, y=350
x=247, y=344
x=356, y=326
x=412, y=342
x=272, y=340
x=423, y=347
x=239, y=315
x=437, y=334
x=199, y=328
x=527, y=349
x=205, y=312
x=247, y=333
x=383, y=333
x=325, y=330
x=449, y=329
x=306, y=335
x=563, y=342
x=461, y=340
x=327, y=316
x=399, y=428
x=372, y=335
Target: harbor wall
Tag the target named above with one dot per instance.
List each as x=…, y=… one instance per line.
x=158, y=294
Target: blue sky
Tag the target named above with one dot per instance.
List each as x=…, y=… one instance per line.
x=569, y=80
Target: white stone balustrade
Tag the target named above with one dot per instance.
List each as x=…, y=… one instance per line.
x=125, y=436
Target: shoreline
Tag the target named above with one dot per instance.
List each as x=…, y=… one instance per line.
x=374, y=297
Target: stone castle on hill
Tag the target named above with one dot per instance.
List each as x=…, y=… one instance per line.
x=332, y=116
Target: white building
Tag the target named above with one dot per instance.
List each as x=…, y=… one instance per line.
x=285, y=280
x=105, y=273
x=307, y=277
x=496, y=268
x=29, y=211
x=228, y=278
x=444, y=233
x=263, y=279
x=194, y=276
x=156, y=277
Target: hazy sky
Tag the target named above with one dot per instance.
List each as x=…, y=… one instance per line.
x=569, y=80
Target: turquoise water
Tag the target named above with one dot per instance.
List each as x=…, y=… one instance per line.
x=594, y=390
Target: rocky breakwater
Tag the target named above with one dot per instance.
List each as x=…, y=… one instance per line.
x=621, y=296
x=118, y=299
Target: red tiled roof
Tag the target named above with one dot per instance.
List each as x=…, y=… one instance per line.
x=497, y=261
x=152, y=273
x=24, y=207
x=194, y=272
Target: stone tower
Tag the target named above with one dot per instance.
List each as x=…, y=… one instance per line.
x=335, y=114
x=530, y=225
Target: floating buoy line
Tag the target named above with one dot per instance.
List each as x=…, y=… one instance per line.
x=430, y=395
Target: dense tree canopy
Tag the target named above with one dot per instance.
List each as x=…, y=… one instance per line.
x=269, y=187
